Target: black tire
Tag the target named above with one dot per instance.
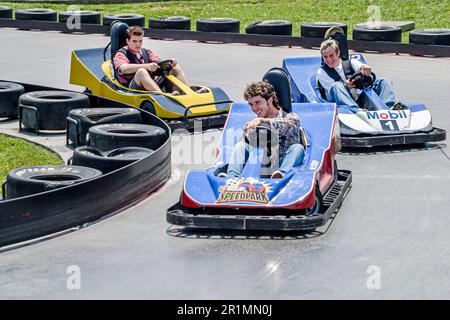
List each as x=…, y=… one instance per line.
x=318, y=29
x=318, y=205
x=219, y=25
x=88, y=17
x=36, y=14
x=53, y=107
x=119, y=135
x=5, y=12
x=9, y=98
x=430, y=36
x=174, y=23
x=108, y=161
x=384, y=33
x=274, y=27
x=148, y=106
x=130, y=19
x=35, y=179
x=86, y=118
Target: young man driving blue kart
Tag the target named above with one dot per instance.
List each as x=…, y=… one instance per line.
x=263, y=101
x=334, y=78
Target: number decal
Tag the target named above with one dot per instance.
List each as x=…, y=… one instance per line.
x=389, y=125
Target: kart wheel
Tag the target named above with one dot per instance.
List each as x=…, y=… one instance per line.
x=120, y=135
x=36, y=14
x=85, y=16
x=318, y=203
x=384, y=33
x=275, y=27
x=430, y=36
x=108, y=161
x=318, y=29
x=148, y=106
x=335, y=172
x=53, y=107
x=30, y=180
x=5, y=12
x=218, y=25
x=130, y=19
x=86, y=118
x=174, y=23
x=9, y=98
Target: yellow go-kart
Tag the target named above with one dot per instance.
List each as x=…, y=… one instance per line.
x=92, y=69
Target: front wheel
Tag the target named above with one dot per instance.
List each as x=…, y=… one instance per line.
x=318, y=203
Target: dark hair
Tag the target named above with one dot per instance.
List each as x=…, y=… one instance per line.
x=134, y=31
x=263, y=89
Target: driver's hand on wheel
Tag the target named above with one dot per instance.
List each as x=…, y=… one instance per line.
x=349, y=84
x=366, y=70
x=251, y=125
x=152, y=67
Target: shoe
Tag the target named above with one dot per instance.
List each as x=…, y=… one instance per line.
x=276, y=175
x=399, y=106
x=202, y=90
x=175, y=93
x=222, y=175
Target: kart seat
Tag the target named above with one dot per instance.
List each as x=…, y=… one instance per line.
x=118, y=36
x=279, y=79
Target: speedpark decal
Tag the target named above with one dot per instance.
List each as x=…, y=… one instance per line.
x=244, y=190
x=386, y=115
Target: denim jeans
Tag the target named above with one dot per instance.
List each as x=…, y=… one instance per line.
x=293, y=157
x=383, y=87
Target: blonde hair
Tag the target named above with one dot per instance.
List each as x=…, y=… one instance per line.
x=329, y=44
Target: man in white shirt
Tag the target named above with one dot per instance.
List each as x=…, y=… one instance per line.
x=333, y=78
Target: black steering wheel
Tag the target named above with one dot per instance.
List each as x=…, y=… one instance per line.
x=164, y=68
x=261, y=137
x=362, y=81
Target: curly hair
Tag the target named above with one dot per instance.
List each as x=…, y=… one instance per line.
x=134, y=31
x=263, y=89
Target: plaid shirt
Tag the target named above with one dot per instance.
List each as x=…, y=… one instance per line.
x=288, y=127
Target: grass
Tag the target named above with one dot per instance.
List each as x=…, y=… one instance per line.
x=425, y=13
x=16, y=153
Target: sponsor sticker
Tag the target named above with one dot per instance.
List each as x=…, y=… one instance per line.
x=244, y=190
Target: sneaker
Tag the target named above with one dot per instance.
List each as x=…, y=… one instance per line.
x=277, y=175
x=222, y=175
x=399, y=106
x=175, y=93
x=202, y=90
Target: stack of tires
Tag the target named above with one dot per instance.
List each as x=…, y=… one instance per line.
x=10, y=93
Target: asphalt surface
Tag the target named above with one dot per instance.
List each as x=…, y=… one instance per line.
x=389, y=240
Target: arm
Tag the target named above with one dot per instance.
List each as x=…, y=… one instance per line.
x=123, y=65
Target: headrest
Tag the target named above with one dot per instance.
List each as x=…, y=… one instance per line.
x=279, y=79
x=118, y=31
x=337, y=33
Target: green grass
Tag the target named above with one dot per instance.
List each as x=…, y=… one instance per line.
x=16, y=153
x=425, y=13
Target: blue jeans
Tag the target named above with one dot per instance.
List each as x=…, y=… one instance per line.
x=293, y=157
x=383, y=87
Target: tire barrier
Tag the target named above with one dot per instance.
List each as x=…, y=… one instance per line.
x=36, y=14
x=80, y=120
x=129, y=18
x=85, y=16
x=318, y=29
x=384, y=33
x=430, y=36
x=173, y=23
x=9, y=99
x=108, y=161
x=273, y=27
x=119, y=135
x=219, y=25
x=5, y=12
x=48, y=110
x=26, y=181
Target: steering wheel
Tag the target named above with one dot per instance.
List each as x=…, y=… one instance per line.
x=362, y=81
x=164, y=68
x=261, y=137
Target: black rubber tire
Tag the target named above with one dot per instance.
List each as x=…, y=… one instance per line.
x=131, y=19
x=87, y=118
x=430, y=36
x=108, y=161
x=318, y=29
x=119, y=135
x=273, y=27
x=5, y=12
x=173, y=22
x=318, y=206
x=86, y=16
x=53, y=107
x=219, y=25
x=148, y=106
x=384, y=33
x=36, y=14
x=35, y=179
x=9, y=98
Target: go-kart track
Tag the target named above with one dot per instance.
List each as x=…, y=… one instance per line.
x=393, y=225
